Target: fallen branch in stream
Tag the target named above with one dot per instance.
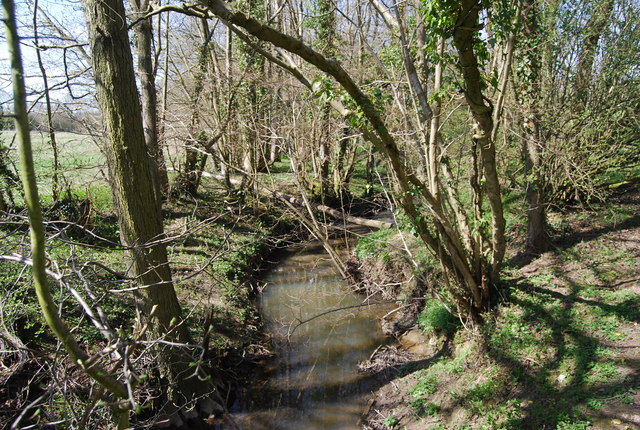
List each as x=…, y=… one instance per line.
x=293, y=328
x=330, y=311
x=321, y=208
x=385, y=358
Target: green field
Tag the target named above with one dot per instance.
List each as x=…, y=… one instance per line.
x=82, y=165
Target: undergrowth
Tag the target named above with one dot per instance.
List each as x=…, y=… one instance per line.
x=212, y=252
x=552, y=355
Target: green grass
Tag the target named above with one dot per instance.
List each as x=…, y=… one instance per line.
x=281, y=166
x=426, y=386
x=82, y=165
x=375, y=244
x=358, y=185
x=436, y=318
x=225, y=251
x=391, y=422
x=217, y=299
x=546, y=357
x=422, y=407
x=567, y=423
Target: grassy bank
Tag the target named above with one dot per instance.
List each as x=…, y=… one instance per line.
x=560, y=352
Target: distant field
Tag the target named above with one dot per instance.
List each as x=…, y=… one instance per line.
x=83, y=167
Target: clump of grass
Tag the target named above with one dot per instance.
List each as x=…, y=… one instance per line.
x=421, y=408
x=567, y=423
x=436, y=318
x=374, y=244
x=426, y=386
x=391, y=422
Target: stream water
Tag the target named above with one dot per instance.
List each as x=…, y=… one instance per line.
x=313, y=383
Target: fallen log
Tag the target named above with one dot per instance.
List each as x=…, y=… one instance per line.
x=335, y=213
x=320, y=208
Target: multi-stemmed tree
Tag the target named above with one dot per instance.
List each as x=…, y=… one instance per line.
x=469, y=244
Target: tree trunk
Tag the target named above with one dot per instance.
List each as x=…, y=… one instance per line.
x=162, y=127
x=324, y=141
x=593, y=30
x=344, y=160
x=528, y=94
x=189, y=179
x=144, y=36
x=464, y=39
x=77, y=354
x=55, y=183
x=326, y=36
x=140, y=219
x=537, y=237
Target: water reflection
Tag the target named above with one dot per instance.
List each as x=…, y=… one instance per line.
x=314, y=382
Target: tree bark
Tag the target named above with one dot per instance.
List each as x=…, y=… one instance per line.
x=144, y=35
x=162, y=127
x=139, y=212
x=463, y=39
x=529, y=90
x=326, y=36
x=537, y=237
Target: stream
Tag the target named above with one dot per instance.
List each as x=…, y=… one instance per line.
x=313, y=381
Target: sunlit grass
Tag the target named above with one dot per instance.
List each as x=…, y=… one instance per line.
x=82, y=165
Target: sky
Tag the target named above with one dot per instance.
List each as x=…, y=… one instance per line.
x=65, y=14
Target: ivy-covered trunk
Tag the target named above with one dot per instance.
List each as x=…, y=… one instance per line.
x=528, y=96
x=149, y=99
x=325, y=28
x=464, y=37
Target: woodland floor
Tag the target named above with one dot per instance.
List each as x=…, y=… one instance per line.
x=562, y=352
x=217, y=244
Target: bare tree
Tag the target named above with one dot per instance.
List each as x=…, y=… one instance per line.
x=139, y=212
x=470, y=259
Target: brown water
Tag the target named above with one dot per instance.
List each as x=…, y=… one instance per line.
x=313, y=383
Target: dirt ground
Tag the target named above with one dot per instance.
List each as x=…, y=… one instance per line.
x=595, y=260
